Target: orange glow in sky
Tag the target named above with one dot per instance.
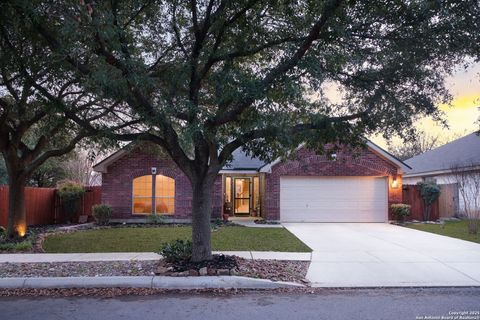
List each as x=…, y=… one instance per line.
x=463, y=114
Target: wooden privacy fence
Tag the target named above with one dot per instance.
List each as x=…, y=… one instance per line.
x=43, y=205
x=411, y=196
x=448, y=201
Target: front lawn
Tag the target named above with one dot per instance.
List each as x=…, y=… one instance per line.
x=454, y=229
x=149, y=239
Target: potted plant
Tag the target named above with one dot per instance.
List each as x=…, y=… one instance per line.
x=227, y=211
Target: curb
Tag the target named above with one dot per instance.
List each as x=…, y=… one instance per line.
x=153, y=282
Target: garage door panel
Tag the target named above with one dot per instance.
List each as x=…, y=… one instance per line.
x=333, y=199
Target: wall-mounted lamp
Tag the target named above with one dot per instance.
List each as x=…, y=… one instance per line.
x=394, y=183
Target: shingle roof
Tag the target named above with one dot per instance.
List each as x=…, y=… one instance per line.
x=461, y=152
x=242, y=161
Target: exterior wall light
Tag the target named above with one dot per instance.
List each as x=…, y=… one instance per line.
x=394, y=183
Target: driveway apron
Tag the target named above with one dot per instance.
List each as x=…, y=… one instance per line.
x=385, y=255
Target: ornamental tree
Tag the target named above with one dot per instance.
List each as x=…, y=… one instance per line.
x=430, y=192
x=208, y=77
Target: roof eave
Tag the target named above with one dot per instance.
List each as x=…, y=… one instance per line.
x=403, y=167
x=439, y=172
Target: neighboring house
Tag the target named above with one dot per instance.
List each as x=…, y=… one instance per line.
x=444, y=164
x=354, y=187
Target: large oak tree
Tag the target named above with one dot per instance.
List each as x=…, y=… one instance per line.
x=34, y=103
x=208, y=77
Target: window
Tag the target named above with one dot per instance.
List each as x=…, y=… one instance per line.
x=228, y=189
x=148, y=199
x=142, y=195
x=164, y=195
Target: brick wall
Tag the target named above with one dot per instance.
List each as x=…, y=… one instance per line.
x=117, y=183
x=362, y=162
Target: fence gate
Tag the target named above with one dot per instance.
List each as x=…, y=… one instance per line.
x=448, y=200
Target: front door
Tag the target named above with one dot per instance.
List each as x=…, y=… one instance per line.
x=241, y=195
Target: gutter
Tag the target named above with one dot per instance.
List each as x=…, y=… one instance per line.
x=153, y=282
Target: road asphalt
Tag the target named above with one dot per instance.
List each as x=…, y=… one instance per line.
x=400, y=303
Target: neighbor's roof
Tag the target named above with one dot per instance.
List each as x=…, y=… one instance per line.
x=463, y=152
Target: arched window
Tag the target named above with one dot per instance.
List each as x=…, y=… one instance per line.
x=151, y=196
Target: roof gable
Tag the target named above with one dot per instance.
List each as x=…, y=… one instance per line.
x=370, y=145
x=243, y=162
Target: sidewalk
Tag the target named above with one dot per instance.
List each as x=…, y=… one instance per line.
x=140, y=256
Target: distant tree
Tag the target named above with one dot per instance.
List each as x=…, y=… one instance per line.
x=420, y=142
x=79, y=167
x=207, y=77
x=467, y=178
x=48, y=174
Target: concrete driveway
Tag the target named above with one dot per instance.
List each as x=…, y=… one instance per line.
x=377, y=254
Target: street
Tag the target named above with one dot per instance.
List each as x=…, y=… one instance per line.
x=406, y=303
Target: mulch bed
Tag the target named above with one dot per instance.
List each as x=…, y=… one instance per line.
x=119, y=292
x=219, y=265
x=267, y=269
x=276, y=270
x=79, y=269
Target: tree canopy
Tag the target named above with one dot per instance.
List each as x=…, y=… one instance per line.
x=203, y=78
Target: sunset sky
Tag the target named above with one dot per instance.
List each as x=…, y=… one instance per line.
x=464, y=113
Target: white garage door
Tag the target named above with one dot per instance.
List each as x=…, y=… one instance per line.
x=333, y=199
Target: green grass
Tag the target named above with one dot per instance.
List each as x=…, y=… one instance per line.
x=151, y=239
x=454, y=229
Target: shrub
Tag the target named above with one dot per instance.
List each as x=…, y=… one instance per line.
x=177, y=251
x=16, y=245
x=400, y=210
x=155, y=218
x=3, y=234
x=70, y=193
x=102, y=214
x=430, y=192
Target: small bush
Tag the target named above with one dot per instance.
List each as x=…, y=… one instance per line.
x=16, y=245
x=400, y=210
x=70, y=193
x=3, y=233
x=102, y=214
x=177, y=251
x=155, y=218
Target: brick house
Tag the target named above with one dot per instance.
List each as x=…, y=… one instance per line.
x=350, y=186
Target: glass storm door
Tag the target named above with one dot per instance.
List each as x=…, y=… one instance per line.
x=242, y=195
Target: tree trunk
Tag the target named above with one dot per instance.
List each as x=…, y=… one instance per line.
x=17, y=217
x=472, y=226
x=201, y=213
